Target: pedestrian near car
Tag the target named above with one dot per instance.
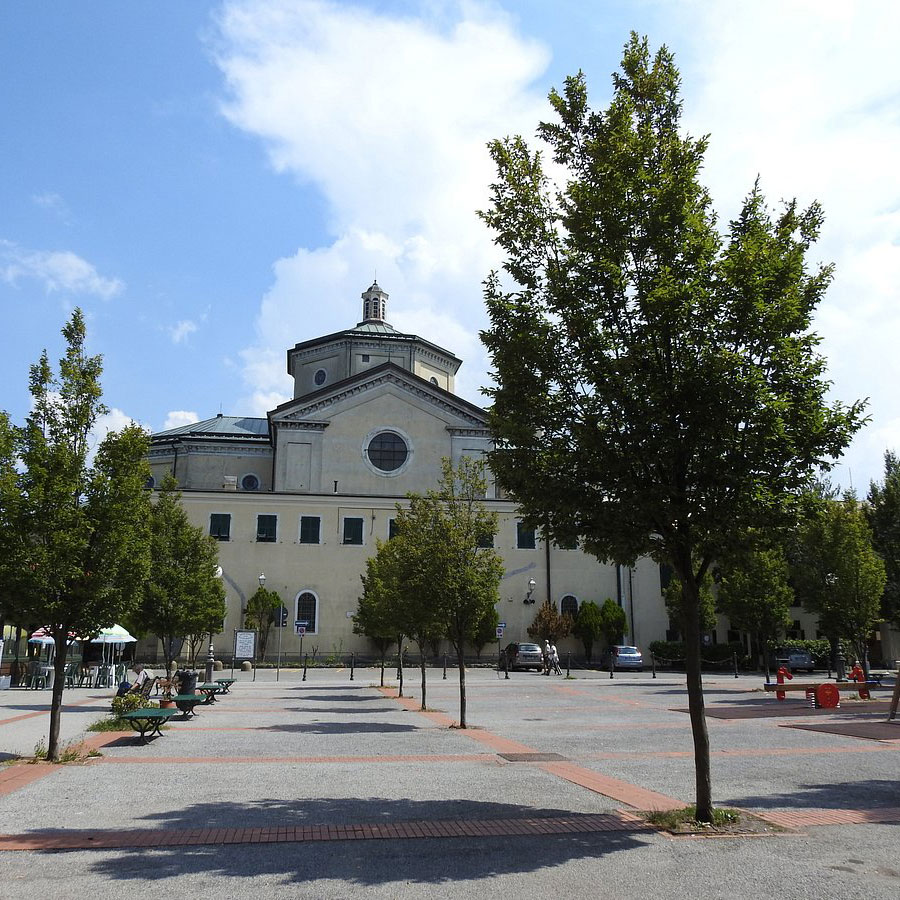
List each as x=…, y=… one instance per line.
x=548, y=657
x=554, y=660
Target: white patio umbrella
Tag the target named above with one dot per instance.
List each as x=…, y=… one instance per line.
x=115, y=634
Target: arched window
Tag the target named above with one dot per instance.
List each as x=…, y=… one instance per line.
x=569, y=606
x=308, y=611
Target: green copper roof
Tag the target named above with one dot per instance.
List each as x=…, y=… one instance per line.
x=220, y=426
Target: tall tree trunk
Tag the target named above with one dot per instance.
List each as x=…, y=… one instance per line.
x=690, y=598
x=422, y=667
x=59, y=683
x=400, y=668
x=460, y=659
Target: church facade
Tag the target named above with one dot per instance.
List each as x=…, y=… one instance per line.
x=303, y=495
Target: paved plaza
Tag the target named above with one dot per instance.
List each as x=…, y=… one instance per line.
x=335, y=788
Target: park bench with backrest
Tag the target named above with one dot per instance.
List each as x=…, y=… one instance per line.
x=148, y=720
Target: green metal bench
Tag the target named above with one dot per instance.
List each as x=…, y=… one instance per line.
x=210, y=689
x=226, y=684
x=152, y=720
x=187, y=702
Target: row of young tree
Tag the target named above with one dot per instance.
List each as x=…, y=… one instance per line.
x=438, y=577
x=82, y=546
x=833, y=562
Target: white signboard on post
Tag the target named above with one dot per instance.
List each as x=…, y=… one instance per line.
x=245, y=645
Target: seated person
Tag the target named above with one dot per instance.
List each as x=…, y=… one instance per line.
x=134, y=687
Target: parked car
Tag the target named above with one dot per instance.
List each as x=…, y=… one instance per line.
x=794, y=658
x=623, y=657
x=524, y=656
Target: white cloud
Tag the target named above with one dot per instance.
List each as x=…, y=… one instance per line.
x=805, y=94
x=55, y=204
x=388, y=116
x=178, y=417
x=57, y=270
x=182, y=331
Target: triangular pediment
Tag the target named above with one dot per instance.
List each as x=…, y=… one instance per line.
x=314, y=410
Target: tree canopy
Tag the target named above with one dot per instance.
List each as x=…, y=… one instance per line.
x=658, y=385
x=182, y=595
x=75, y=527
x=262, y=610
x=883, y=513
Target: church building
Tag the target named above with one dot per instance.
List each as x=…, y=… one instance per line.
x=302, y=495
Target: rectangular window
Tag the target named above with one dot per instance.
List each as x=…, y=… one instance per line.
x=485, y=541
x=353, y=530
x=307, y=607
x=365, y=357
x=220, y=526
x=309, y=529
x=266, y=528
x=393, y=531
x=525, y=539
x=568, y=544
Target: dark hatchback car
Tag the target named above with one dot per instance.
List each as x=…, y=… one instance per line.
x=524, y=656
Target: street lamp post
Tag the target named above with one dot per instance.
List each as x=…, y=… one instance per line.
x=211, y=654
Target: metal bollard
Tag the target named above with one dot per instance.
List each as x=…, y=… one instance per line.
x=352, y=663
x=653, y=664
x=445, y=667
x=305, y=663
x=569, y=665
x=734, y=659
x=612, y=664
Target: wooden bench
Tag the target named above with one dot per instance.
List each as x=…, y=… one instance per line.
x=187, y=702
x=152, y=720
x=226, y=684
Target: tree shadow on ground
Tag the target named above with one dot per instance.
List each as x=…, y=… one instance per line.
x=348, y=698
x=871, y=793
x=359, y=862
x=339, y=728
x=343, y=710
x=45, y=708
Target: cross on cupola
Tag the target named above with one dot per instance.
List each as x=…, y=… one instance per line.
x=374, y=303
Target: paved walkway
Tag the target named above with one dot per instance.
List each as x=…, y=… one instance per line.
x=545, y=784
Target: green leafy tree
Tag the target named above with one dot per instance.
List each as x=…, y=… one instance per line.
x=614, y=621
x=658, y=388
x=883, y=514
x=549, y=624
x=460, y=578
x=76, y=527
x=673, y=595
x=588, y=626
x=838, y=574
x=182, y=595
x=374, y=612
x=486, y=633
x=262, y=610
x=754, y=593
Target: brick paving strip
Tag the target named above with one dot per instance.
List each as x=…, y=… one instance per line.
x=451, y=828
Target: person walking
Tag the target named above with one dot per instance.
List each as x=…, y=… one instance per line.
x=548, y=657
x=554, y=660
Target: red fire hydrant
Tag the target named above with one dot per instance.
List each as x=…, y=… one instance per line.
x=857, y=674
x=779, y=677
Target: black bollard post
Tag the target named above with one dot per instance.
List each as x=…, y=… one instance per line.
x=612, y=663
x=506, y=666
x=352, y=663
x=734, y=658
x=382, y=671
x=305, y=663
x=445, y=667
x=653, y=664
x=569, y=665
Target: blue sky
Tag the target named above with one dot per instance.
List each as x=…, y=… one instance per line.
x=214, y=181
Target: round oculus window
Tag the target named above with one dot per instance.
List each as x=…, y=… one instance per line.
x=320, y=376
x=250, y=483
x=387, y=451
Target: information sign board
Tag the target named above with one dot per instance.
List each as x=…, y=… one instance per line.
x=245, y=645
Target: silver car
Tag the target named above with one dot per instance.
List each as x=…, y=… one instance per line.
x=524, y=656
x=623, y=657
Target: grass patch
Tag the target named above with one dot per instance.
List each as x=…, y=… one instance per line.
x=725, y=821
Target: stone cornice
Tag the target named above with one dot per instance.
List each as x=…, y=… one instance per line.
x=469, y=432
x=296, y=425
x=226, y=450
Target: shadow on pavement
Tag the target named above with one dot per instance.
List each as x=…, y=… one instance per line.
x=360, y=862
x=339, y=728
x=343, y=710
x=872, y=793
